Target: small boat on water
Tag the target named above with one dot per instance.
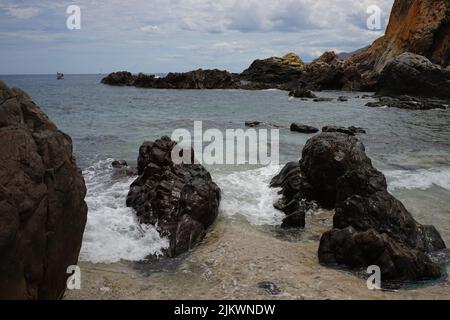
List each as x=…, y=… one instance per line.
x=59, y=76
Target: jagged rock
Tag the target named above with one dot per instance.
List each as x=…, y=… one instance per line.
x=42, y=208
x=275, y=71
x=295, y=127
x=411, y=74
x=252, y=124
x=336, y=172
x=181, y=200
x=362, y=249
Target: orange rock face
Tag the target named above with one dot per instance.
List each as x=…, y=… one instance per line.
x=417, y=26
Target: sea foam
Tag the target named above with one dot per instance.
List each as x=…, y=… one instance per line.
x=418, y=179
x=112, y=232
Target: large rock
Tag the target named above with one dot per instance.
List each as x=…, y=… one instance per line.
x=42, y=208
x=336, y=172
x=275, y=70
x=367, y=248
x=180, y=199
x=411, y=74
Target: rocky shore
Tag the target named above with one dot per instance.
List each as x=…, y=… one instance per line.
x=412, y=59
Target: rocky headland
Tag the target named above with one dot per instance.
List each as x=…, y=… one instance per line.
x=414, y=50
x=42, y=207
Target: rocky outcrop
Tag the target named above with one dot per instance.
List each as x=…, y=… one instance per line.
x=302, y=128
x=371, y=227
x=301, y=92
x=275, y=71
x=121, y=78
x=198, y=79
x=181, y=200
x=417, y=26
x=42, y=208
x=411, y=74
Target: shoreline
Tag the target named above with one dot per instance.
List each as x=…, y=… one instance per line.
x=228, y=265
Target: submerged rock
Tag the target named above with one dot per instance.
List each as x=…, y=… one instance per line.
x=181, y=200
x=296, y=127
x=371, y=226
x=302, y=93
x=42, y=207
x=350, y=130
x=409, y=103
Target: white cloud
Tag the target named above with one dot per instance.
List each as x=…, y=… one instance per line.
x=21, y=13
x=150, y=29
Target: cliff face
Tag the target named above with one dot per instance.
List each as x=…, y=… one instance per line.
x=417, y=26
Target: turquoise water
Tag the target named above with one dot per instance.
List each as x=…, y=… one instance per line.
x=411, y=147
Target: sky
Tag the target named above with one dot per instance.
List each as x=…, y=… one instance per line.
x=158, y=36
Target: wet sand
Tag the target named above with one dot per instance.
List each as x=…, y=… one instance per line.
x=232, y=260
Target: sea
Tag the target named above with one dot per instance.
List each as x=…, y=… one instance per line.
x=412, y=148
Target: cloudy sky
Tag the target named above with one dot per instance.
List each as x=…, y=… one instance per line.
x=176, y=35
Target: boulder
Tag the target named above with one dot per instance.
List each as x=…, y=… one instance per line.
x=42, y=207
x=336, y=173
x=275, y=70
x=360, y=249
x=295, y=127
x=181, y=200
x=301, y=92
x=414, y=75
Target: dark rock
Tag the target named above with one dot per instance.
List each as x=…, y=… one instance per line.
x=252, y=123
x=270, y=288
x=180, y=199
x=371, y=226
x=302, y=93
x=198, y=79
x=42, y=208
x=409, y=103
x=294, y=220
x=119, y=164
x=295, y=127
x=121, y=78
x=360, y=249
x=342, y=99
x=350, y=130
x=411, y=74
x=323, y=99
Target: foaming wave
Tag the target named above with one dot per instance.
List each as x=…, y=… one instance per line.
x=418, y=179
x=247, y=193
x=112, y=232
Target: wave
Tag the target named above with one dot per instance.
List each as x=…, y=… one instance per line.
x=112, y=232
x=247, y=194
x=418, y=179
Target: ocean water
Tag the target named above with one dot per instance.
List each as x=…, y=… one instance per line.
x=412, y=148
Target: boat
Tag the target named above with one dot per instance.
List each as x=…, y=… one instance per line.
x=59, y=76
